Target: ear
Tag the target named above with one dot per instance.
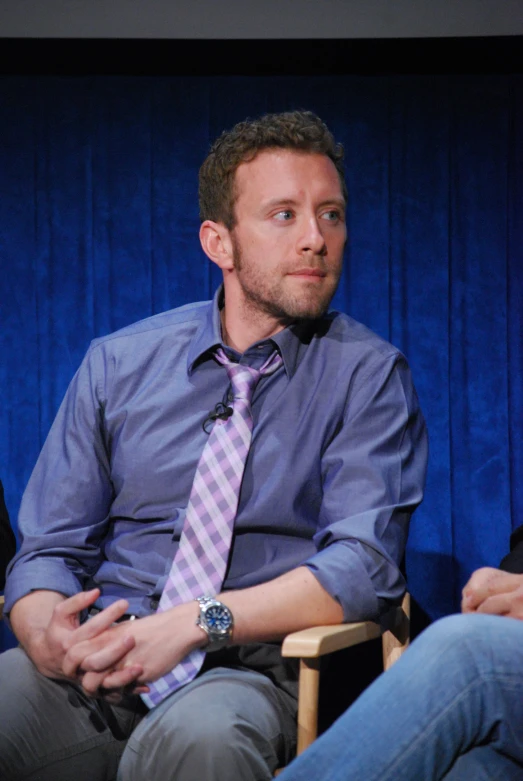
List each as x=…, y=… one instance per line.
x=216, y=243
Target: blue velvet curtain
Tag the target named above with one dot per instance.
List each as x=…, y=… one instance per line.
x=99, y=224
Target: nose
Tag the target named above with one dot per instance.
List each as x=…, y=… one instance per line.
x=311, y=237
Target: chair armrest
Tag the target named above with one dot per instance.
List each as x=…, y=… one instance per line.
x=320, y=640
x=309, y=645
x=1, y=607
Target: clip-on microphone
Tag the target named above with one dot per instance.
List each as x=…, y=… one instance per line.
x=221, y=411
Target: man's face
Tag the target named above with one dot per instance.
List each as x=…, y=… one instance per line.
x=289, y=235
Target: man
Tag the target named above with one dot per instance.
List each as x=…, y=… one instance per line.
x=333, y=471
x=451, y=708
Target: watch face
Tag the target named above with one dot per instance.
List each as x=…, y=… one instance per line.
x=218, y=618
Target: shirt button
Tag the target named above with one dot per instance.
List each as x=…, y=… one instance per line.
x=154, y=603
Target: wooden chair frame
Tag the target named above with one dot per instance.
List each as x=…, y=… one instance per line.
x=310, y=645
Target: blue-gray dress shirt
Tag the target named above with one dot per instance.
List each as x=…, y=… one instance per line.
x=336, y=466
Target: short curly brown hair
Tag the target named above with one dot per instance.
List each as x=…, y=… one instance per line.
x=302, y=131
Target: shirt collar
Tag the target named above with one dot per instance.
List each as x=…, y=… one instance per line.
x=289, y=341
x=208, y=335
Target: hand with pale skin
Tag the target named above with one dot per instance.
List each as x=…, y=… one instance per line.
x=160, y=642
x=48, y=627
x=494, y=591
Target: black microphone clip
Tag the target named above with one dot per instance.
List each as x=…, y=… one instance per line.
x=221, y=411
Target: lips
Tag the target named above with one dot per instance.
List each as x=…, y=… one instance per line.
x=308, y=272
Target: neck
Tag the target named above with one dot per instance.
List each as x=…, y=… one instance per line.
x=239, y=332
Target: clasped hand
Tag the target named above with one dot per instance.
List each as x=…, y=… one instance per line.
x=494, y=591
x=108, y=659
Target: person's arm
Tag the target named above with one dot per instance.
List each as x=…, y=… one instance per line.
x=65, y=504
x=374, y=476
x=270, y=611
x=48, y=628
x=61, y=517
x=262, y=613
x=374, y=472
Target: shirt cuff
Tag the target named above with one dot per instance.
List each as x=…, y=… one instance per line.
x=342, y=574
x=39, y=574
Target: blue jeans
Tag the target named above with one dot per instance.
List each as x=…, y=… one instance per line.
x=451, y=707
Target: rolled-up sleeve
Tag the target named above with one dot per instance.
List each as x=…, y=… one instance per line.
x=373, y=478
x=64, y=509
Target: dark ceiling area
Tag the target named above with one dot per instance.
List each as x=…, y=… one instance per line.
x=70, y=56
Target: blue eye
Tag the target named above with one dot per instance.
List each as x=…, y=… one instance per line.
x=284, y=215
x=331, y=216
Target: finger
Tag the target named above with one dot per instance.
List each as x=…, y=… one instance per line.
x=101, y=621
x=95, y=684
x=480, y=576
x=498, y=583
x=108, y=656
x=498, y=605
x=96, y=655
x=479, y=579
x=118, y=679
x=91, y=683
x=470, y=600
x=71, y=606
x=115, y=696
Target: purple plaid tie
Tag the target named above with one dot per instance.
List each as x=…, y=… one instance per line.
x=198, y=568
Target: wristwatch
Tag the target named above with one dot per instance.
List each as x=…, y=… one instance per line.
x=216, y=621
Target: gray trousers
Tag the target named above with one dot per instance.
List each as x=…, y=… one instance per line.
x=230, y=724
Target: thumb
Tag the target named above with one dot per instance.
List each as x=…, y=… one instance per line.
x=67, y=612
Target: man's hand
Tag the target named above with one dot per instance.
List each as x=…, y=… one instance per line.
x=48, y=626
x=65, y=642
x=494, y=591
x=161, y=641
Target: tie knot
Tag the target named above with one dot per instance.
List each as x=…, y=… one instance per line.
x=244, y=378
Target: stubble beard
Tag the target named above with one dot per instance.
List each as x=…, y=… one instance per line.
x=262, y=297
